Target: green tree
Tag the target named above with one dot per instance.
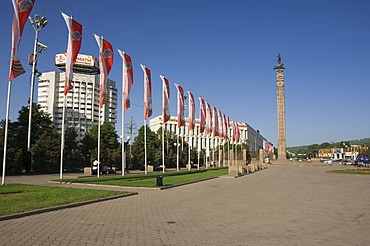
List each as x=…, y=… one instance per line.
x=108, y=144
x=72, y=154
x=14, y=151
x=46, y=153
x=18, y=134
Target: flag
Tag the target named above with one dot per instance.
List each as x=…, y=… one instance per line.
x=233, y=131
x=220, y=125
x=226, y=130
x=148, y=110
x=236, y=132
x=165, y=100
x=215, y=122
x=202, y=115
x=208, y=119
x=73, y=48
x=22, y=9
x=128, y=74
x=191, y=111
x=180, y=106
x=105, y=64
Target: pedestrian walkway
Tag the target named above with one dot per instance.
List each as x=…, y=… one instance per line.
x=278, y=206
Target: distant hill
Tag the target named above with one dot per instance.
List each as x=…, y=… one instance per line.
x=364, y=141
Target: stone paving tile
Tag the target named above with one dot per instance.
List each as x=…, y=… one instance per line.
x=277, y=206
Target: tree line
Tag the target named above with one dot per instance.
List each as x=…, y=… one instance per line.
x=45, y=146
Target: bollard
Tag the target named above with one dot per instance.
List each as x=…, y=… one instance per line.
x=160, y=180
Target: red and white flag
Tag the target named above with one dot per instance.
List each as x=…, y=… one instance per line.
x=215, y=122
x=202, y=115
x=237, y=132
x=225, y=129
x=180, y=106
x=148, y=108
x=208, y=119
x=73, y=48
x=22, y=9
x=220, y=125
x=191, y=111
x=128, y=73
x=165, y=100
x=105, y=64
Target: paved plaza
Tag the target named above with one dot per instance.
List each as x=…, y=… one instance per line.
x=295, y=205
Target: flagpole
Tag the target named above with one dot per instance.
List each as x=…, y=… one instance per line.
x=228, y=153
x=198, y=149
x=6, y=131
x=145, y=157
x=163, y=126
x=98, y=171
x=207, y=150
x=123, y=118
x=189, y=163
x=177, y=151
x=223, y=153
x=123, y=141
x=63, y=136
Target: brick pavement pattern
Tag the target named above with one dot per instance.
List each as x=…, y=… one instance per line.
x=278, y=206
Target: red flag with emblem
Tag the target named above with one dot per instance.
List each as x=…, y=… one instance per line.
x=105, y=64
x=128, y=72
x=180, y=106
x=215, y=122
x=22, y=9
x=202, y=115
x=165, y=99
x=208, y=119
x=191, y=111
x=148, y=108
x=73, y=48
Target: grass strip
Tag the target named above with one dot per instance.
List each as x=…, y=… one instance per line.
x=16, y=198
x=149, y=180
x=352, y=171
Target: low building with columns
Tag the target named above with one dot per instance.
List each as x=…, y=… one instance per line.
x=248, y=135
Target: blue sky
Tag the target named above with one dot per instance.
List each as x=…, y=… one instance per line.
x=223, y=51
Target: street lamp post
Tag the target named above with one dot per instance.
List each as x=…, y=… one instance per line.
x=37, y=25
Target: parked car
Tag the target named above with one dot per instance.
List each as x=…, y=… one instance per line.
x=328, y=162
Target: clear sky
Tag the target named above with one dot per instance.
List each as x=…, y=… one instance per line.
x=223, y=51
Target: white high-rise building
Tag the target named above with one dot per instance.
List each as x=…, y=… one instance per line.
x=82, y=107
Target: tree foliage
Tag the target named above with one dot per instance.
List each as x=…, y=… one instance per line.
x=108, y=144
x=18, y=134
x=46, y=153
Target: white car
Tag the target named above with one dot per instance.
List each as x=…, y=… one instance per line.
x=328, y=162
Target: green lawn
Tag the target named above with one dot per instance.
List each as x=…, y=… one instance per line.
x=16, y=198
x=352, y=171
x=149, y=180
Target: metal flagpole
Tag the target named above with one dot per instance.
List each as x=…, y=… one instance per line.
x=198, y=150
x=123, y=154
x=207, y=150
x=163, y=127
x=123, y=142
x=123, y=120
x=98, y=171
x=146, y=161
x=228, y=153
x=236, y=154
x=6, y=132
x=177, y=152
x=63, y=136
x=190, y=140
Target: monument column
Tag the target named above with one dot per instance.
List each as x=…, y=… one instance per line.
x=280, y=108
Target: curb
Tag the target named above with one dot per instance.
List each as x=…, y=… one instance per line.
x=72, y=205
